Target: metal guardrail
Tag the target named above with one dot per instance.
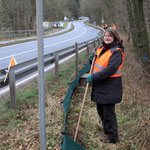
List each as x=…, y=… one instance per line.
x=23, y=69
x=8, y=34
x=30, y=66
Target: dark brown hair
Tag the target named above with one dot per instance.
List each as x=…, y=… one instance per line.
x=113, y=32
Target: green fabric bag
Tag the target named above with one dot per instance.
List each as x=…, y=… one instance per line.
x=68, y=143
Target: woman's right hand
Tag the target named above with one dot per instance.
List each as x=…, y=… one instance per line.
x=92, y=55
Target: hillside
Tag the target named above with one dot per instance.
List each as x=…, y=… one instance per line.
x=19, y=129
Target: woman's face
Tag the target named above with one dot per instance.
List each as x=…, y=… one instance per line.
x=108, y=38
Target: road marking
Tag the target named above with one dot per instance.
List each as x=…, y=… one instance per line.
x=22, y=82
x=24, y=44
x=47, y=45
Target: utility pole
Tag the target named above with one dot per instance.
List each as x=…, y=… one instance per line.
x=39, y=14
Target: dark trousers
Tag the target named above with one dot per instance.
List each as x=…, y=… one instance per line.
x=109, y=120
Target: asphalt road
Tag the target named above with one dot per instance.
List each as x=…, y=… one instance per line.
x=26, y=51
x=35, y=37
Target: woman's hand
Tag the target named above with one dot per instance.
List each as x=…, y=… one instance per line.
x=89, y=78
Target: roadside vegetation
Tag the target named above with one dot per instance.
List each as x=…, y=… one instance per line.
x=132, y=113
x=22, y=40
x=19, y=128
x=129, y=16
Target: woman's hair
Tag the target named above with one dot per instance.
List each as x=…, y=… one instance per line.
x=113, y=32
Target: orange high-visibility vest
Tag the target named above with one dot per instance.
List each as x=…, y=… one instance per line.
x=114, y=26
x=106, y=26
x=102, y=61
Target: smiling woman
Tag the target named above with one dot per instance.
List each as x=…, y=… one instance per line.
x=107, y=82
x=111, y=35
x=108, y=38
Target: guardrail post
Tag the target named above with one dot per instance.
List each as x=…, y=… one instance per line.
x=77, y=60
x=56, y=64
x=101, y=40
x=25, y=33
x=95, y=44
x=98, y=41
x=87, y=44
x=12, y=88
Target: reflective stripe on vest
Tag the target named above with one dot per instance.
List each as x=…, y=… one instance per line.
x=102, y=61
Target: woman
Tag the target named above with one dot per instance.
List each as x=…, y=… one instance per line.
x=107, y=83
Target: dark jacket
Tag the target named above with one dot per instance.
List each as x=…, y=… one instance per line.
x=106, y=89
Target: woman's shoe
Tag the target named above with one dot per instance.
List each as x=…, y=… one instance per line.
x=108, y=140
x=100, y=133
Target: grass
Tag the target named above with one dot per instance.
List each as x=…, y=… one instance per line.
x=25, y=99
x=132, y=112
x=19, y=129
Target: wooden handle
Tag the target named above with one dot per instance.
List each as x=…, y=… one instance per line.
x=86, y=89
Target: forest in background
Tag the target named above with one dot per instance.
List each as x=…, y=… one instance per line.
x=130, y=16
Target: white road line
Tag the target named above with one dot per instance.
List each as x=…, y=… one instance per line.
x=47, y=45
x=28, y=79
x=11, y=46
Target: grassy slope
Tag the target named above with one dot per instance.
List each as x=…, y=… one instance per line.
x=20, y=128
x=132, y=113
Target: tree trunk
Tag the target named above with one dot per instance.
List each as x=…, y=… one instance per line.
x=138, y=29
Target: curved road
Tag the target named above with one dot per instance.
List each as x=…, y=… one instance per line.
x=35, y=37
x=26, y=51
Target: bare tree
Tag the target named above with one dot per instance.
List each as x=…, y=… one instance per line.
x=138, y=28
x=72, y=8
x=146, y=6
x=92, y=9
x=0, y=14
x=53, y=10
x=17, y=15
